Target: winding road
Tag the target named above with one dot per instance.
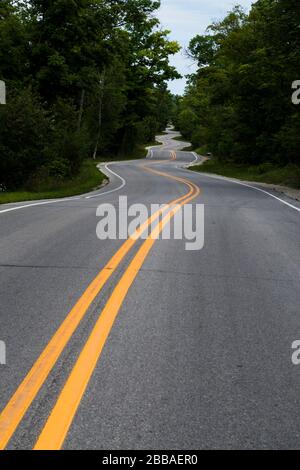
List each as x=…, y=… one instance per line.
x=142, y=344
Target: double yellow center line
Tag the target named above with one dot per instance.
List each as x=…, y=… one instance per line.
x=61, y=417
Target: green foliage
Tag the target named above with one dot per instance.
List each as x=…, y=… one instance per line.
x=187, y=121
x=288, y=175
x=23, y=130
x=88, y=178
x=203, y=49
x=14, y=48
x=68, y=145
x=84, y=77
x=241, y=93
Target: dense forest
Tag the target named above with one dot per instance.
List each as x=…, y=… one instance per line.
x=88, y=78
x=84, y=78
x=239, y=103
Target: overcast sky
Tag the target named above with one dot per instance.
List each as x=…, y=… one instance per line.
x=186, y=18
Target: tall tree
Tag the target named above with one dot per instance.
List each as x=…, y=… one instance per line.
x=241, y=94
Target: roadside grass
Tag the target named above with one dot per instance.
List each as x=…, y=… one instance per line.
x=88, y=179
x=189, y=148
x=162, y=133
x=266, y=173
x=179, y=137
x=139, y=152
x=154, y=142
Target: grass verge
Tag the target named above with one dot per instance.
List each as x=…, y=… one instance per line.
x=139, y=152
x=189, y=148
x=179, y=137
x=265, y=173
x=88, y=179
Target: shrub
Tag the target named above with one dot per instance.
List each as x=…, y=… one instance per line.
x=23, y=131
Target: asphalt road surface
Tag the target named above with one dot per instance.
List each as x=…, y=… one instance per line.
x=144, y=344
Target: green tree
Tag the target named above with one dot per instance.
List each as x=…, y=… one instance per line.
x=241, y=92
x=94, y=71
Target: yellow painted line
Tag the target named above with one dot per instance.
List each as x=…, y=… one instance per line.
x=56, y=428
x=23, y=397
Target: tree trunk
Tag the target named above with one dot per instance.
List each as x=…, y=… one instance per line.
x=81, y=109
x=101, y=96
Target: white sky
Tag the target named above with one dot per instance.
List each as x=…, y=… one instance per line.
x=185, y=19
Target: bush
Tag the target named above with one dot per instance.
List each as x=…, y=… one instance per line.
x=68, y=145
x=36, y=145
x=288, y=140
x=187, y=122
x=23, y=130
x=150, y=127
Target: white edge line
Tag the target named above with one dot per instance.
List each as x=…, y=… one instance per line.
x=150, y=149
x=196, y=157
x=38, y=204
x=188, y=164
x=16, y=208
x=112, y=190
x=150, y=152
x=253, y=187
